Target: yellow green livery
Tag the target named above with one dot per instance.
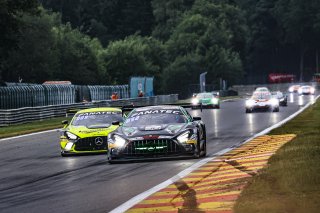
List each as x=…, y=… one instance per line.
x=88, y=131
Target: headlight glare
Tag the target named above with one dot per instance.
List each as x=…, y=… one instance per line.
x=214, y=100
x=71, y=136
x=312, y=90
x=274, y=102
x=184, y=137
x=249, y=103
x=195, y=101
x=119, y=141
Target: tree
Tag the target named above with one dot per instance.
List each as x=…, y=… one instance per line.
x=80, y=57
x=134, y=56
x=207, y=33
x=105, y=20
x=300, y=22
x=35, y=58
x=167, y=15
x=10, y=24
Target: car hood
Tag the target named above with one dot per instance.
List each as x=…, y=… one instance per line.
x=161, y=129
x=92, y=131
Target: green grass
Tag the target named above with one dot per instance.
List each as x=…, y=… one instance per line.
x=291, y=181
x=31, y=127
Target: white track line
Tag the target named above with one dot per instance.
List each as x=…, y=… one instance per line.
x=140, y=197
x=26, y=135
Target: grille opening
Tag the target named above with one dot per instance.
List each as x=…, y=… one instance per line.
x=152, y=148
x=89, y=144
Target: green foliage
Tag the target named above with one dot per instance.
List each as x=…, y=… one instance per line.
x=37, y=44
x=155, y=38
x=167, y=16
x=134, y=56
x=105, y=20
x=10, y=23
x=80, y=57
x=208, y=33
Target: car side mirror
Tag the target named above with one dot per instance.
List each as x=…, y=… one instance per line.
x=65, y=122
x=116, y=123
x=197, y=118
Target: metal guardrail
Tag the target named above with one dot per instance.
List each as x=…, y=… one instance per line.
x=27, y=114
x=33, y=95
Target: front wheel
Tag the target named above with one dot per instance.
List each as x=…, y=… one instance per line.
x=276, y=109
x=248, y=110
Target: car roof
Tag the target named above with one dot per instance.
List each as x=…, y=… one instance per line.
x=166, y=107
x=100, y=109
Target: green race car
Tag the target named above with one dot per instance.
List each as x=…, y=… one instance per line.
x=88, y=131
x=205, y=100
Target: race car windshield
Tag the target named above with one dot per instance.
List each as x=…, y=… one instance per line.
x=96, y=119
x=154, y=119
x=261, y=96
x=205, y=95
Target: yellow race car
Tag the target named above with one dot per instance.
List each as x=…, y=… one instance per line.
x=88, y=131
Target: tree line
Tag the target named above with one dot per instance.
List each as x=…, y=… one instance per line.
x=106, y=42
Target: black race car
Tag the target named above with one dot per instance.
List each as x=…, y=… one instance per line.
x=157, y=132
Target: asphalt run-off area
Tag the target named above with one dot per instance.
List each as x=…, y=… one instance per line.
x=35, y=178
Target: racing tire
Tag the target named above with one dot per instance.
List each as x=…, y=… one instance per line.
x=63, y=155
x=276, y=109
x=197, y=152
x=218, y=106
x=248, y=110
x=204, y=149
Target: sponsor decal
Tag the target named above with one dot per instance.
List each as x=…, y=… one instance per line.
x=157, y=111
x=153, y=127
x=150, y=137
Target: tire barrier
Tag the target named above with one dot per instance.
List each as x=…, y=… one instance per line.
x=27, y=114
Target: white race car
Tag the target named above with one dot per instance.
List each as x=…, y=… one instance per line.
x=306, y=90
x=262, y=101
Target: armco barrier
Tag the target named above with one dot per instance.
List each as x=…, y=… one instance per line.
x=27, y=114
x=33, y=95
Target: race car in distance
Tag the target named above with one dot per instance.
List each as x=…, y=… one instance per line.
x=294, y=88
x=306, y=90
x=88, y=131
x=262, y=101
x=157, y=132
x=283, y=99
x=205, y=99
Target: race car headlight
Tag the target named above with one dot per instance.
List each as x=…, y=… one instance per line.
x=71, y=136
x=300, y=90
x=312, y=90
x=195, y=101
x=249, y=103
x=291, y=89
x=214, y=100
x=184, y=137
x=274, y=102
x=117, y=140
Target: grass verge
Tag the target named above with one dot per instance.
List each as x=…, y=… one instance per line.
x=291, y=181
x=35, y=126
